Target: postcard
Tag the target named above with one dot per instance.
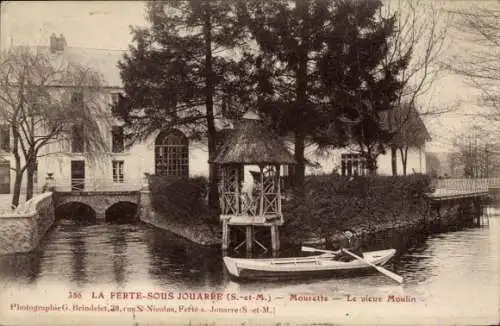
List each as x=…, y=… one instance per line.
x=249, y=163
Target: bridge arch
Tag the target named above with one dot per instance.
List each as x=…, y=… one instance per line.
x=122, y=212
x=78, y=211
x=99, y=201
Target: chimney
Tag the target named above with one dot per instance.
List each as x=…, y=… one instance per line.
x=53, y=41
x=61, y=43
x=57, y=44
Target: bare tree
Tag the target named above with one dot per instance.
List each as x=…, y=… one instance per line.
x=479, y=59
x=410, y=131
x=422, y=28
x=40, y=98
x=471, y=157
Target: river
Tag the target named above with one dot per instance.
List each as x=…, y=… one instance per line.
x=452, y=277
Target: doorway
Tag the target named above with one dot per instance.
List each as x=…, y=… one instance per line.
x=77, y=175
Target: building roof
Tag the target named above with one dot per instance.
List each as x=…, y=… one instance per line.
x=251, y=142
x=420, y=126
x=409, y=122
x=103, y=61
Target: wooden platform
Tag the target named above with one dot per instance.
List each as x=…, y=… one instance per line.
x=243, y=220
x=447, y=194
x=249, y=222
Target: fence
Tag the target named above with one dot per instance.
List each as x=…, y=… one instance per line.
x=467, y=184
x=77, y=184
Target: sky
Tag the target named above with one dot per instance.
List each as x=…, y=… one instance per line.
x=106, y=25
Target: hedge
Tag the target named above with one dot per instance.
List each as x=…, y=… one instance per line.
x=180, y=199
x=334, y=203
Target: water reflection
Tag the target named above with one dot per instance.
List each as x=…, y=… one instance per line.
x=175, y=260
x=78, y=258
x=115, y=254
x=119, y=243
x=20, y=268
x=442, y=270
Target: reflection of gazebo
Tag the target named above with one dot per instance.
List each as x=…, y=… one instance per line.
x=251, y=143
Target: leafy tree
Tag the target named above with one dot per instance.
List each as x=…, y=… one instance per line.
x=322, y=75
x=40, y=97
x=291, y=38
x=358, y=79
x=178, y=73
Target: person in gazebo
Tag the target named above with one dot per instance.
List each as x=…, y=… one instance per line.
x=247, y=188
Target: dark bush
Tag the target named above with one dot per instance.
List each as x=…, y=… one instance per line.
x=179, y=199
x=334, y=203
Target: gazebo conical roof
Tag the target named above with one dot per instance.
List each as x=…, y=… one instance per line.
x=251, y=142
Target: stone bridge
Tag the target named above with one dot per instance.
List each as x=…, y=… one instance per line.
x=99, y=201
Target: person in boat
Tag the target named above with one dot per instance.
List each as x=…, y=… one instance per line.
x=350, y=243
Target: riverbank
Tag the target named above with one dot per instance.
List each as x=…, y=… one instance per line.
x=200, y=234
x=367, y=235
x=365, y=206
x=192, y=229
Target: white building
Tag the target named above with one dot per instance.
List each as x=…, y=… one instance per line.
x=164, y=152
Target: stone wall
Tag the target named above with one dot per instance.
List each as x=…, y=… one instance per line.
x=200, y=234
x=22, y=229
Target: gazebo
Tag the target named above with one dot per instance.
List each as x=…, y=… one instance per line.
x=251, y=144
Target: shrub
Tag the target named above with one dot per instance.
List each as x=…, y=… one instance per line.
x=334, y=203
x=179, y=199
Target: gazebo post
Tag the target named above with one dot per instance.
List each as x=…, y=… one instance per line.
x=275, y=238
x=238, y=168
x=225, y=235
x=278, y=181
x=261, y=208
x=249, y=237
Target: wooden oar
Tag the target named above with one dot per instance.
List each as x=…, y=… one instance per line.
x=382, y=270
x=310, y=249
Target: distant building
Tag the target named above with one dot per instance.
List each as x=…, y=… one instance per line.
x=439, y=164
x=165, y=152
x=348, y=160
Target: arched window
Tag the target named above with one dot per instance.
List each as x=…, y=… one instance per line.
x=172, y=154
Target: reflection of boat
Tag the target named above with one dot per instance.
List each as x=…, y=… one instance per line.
x=325, y=264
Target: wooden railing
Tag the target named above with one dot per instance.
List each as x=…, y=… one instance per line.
x=467, y=184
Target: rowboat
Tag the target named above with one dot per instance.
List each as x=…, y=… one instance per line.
x=325, y=264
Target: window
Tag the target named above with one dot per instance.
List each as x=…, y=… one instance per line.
x=5, y=138
x=115, y=97
x=77, y=139
x=353, y=164
x=116, y=103
x=172, y=154
x=118, y=175
x=77, y=99
x=117, y=139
